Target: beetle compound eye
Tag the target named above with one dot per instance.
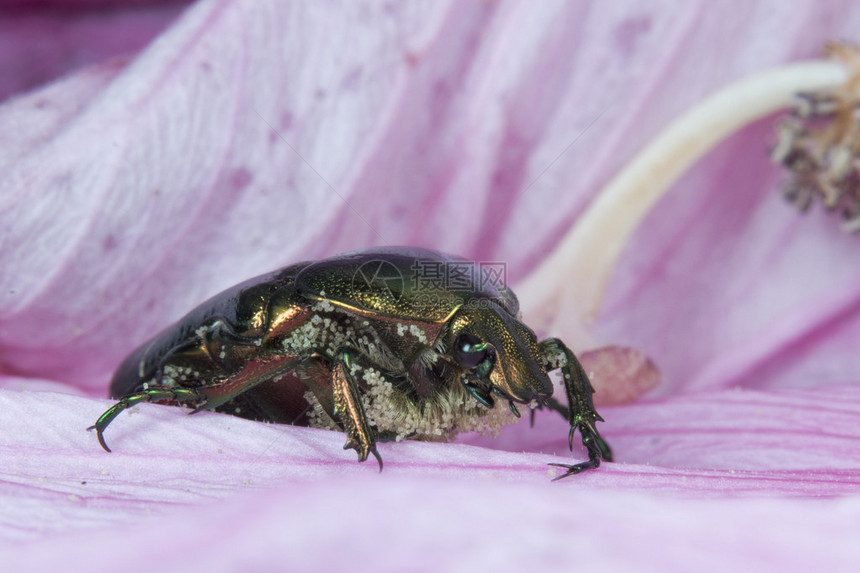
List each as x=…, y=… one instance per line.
x=469, y=351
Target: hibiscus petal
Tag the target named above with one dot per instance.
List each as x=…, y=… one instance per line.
x=790, y=442
x=772, y=435
x=152, y=221
x=187, y=173
x=41, y=43
x=771, y=304
x=297, y=481
x=457, y=527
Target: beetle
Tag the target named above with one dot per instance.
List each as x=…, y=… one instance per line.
x=349, y=343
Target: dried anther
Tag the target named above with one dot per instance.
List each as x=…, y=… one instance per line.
x=819, y=145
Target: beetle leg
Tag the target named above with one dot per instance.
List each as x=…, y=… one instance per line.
x=550, y=403
x=581, y=413
x=349, y=408
x=480, y=391
x=216, y=350
x=253, y=373
x=154, y=394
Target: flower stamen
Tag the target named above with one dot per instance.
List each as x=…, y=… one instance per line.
x=819, y=144
x=577, y=272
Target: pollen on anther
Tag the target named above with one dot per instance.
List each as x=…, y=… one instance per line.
x=819, y=145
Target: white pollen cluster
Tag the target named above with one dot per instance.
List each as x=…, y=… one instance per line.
x=439, y=417
x=418, y=333
x=172, y=375
x=557, y=360
x=317, y=333
x=412, y=329
x=323, y=306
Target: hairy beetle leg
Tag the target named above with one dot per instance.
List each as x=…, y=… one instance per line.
x=157, y=394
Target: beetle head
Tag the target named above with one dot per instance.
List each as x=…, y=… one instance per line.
x=498, y=353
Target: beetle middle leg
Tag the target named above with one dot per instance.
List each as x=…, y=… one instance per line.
x=255, y=372
x=348, y=406
x=581, y=412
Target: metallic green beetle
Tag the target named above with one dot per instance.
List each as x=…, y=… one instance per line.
x=383, y=344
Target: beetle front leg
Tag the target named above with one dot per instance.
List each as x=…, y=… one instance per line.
x=154, y=394
x=348, y=406
x=581, y=413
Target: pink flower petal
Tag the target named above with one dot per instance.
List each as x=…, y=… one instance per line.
x=41, y=43
x=174, y=480
x=307, y=528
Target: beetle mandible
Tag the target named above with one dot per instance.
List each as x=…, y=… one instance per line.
x=359, y=342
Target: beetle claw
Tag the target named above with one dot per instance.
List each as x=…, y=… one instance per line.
x=598, y=451
x=378, y=458
x=572, y=469
x=100, y=436
x=364, y=451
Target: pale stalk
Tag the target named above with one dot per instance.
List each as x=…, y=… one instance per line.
x=578, y=271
